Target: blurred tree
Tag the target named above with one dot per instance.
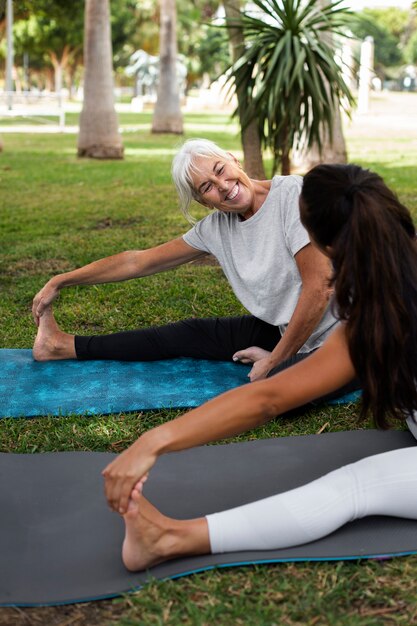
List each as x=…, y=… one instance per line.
x=167, y=116
x=206, y=49
x=211, y=53
x=333, y=145
x=250, y=137
x=135, y=26
x=290, y=73
x=99, y=135
x=410, y=51
x=50, y=31
x=391, y=28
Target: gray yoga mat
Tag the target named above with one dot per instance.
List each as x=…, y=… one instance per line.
x=28, y=388
x=59, y=543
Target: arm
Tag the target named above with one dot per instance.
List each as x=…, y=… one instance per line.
x=231, y=413
x=123, y=266
x=315, y=272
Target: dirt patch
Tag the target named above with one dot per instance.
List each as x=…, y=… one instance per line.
x=109, y=222
x=32, y=267
x=91, y=328
x=88, y=614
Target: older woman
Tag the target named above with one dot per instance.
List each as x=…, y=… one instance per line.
x=265, y=252
x=370, y=237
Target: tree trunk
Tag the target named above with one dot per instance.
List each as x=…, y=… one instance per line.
x=99, y=135
x=47, y=77
x=251, y=143
x=16, y=79
x=332, y=150
x=60, y=66
x=167, y=117
x=285, y=153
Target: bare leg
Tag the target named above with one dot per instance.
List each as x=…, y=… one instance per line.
x=250, y=355
x=152, y=538
x=51, y=343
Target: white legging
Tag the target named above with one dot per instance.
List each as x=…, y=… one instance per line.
x=384, y=484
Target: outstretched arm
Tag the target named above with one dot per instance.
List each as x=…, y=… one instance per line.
x=231, y=413
x=123, y=266
x=315, y=272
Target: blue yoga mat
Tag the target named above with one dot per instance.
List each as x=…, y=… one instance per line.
x=28, y=388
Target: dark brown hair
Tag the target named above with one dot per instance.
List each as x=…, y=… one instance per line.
x=373, y=250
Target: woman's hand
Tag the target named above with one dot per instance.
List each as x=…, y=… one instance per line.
x=260, y=369
x=43, y=299
x=125, y=472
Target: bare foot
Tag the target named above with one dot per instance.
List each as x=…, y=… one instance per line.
x=51, y=343
x=152, y=538
x=251, y=355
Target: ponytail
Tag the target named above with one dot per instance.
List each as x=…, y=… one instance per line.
x=372, y=240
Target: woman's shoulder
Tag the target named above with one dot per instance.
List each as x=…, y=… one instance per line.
x=287, y=182
x=284, y=194
x=213, y=221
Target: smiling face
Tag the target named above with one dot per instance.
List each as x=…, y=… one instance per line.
x=222, y=184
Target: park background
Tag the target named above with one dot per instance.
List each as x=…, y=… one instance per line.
x=59, y=211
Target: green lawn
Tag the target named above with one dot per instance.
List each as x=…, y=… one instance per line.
x=57, y=213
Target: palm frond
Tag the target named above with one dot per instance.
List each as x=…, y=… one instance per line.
x=288, y=71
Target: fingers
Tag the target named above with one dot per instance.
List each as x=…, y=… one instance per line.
x=35, y=311
x=42, y=300
x=117, y=490
x=38, y=308
x=124, y=496
x=124, y=473
x=258, y=372
x=139, y=485
x=118, y=487
x=37, y=314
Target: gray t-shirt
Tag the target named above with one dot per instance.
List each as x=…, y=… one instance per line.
x=257, y=256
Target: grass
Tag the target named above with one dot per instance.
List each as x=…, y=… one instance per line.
x=57, y=213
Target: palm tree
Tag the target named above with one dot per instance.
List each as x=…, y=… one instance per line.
x=333, y=144
x=167, y=117
x=290, y=73
x=99, y=135
x=251, y=141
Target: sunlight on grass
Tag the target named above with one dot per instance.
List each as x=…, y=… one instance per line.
x=150, y=152
x=231, y=129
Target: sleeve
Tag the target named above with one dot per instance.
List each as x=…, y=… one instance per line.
x=201, y=235
x=296, y=236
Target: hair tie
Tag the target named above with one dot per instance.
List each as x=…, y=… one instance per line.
x=350, y=191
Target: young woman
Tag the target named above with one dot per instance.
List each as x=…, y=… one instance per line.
x=265, y=252
x=369, y=236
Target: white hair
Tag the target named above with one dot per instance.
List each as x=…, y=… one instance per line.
x=184, y=163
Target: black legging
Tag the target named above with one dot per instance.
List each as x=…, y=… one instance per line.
x=201, y=338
